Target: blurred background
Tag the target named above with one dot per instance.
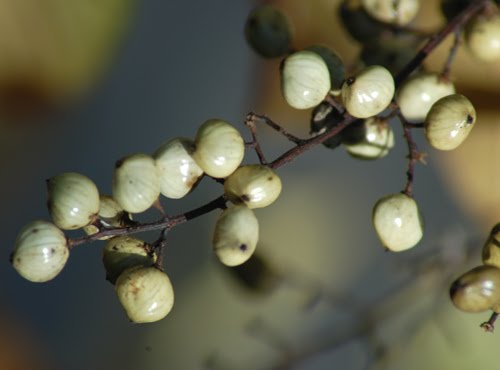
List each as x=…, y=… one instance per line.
x=84, y=83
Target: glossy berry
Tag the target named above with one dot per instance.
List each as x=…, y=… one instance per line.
x=482, y=38
x=110, y=215
x=449, y=122
x=219, y=148
x=136, y=183
x=254, y=185
x=268, y=31
x=417, y=94
x=179, y=172
x=236, y=235
x=325, y=117
x=369, y=92
x=145, y=293
x=73, y=200
x=399, y=12
x=371, y=138
x=397, y=222
x=40, y=252
x=305, y=79
x=333, y=62
x=123, y=252
x=491, y=248
x=477, y=290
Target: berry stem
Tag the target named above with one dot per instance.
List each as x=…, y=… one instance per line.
x=489, y=326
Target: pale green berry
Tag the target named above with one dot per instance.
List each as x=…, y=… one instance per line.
x=73, y=200
x=417, y=94
x=40, y=252
x=374, y=138
x=397, y=222
x=123, y=252
x=179, y=172
x=236, y=235
x=482, y=38
x=333, y=62
x=136, y=183
x=369, y=92
x=449, y=122
x=399, y=12
x=268, y=31
x=110, y=215
x=491, y=248
x=477, y=290
x=219, y=148
x=254, y=185
x=305, y=79
x=145, y=293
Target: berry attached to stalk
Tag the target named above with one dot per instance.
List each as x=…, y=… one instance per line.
x=40, y=252
x=371, y=138
x=397, y=222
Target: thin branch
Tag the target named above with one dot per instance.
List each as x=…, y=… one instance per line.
x=250, y=123
x=253, y=117
x=413, y=155
x=452, y=54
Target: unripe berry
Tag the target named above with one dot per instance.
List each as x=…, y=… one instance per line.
x=397, y=222
x=145, y=293
x=399, y=12
x=219, y=148
x=73, y=200
x=268, y=31
x=40, y=252
x=482, y=38
x=417, y=95
x=254, y=185
x=110, y=214
x=449, y=122
x=179, y=172
x=136, y=183
x=371, y=138
x=123, y=252
x=305, y=79
x=236, y=235
x=333, y=62
x=369, y=92
x=491, y=248
x=477, y=290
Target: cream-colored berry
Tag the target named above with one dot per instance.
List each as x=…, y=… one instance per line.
x=236, y=235
x=145, y=293
x=369, y=92
x=491, y=248
x=178, y=170
x=254, y=185
x=399, y=12
x=136, y=183
x=417, y=95
x=40, y=252
x=110, y=214
x=219, y=148
x=482, y=38
x=397, y=222
x=73, y=200
x=123, y=252
x=375, y=139
x=305, y=79
x=449, y=122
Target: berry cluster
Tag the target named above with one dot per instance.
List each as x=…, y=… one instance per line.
x=354, y=108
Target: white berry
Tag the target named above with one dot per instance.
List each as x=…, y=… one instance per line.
x=482, y=38
x=375, y=140
x=417, y=95
x=255, y=185
x=449, y=122
x=136, y=183
x=219, y=148
x=40, y=252
x=397, y=222
x=305, y=79
x=399, y=12
x=73, y=200
x=236, y=235
x=145, y=293
x=178, y=170
x=369, y=92
x=110, y=214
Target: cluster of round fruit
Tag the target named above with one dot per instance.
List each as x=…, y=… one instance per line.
x=41, y=249
x=312, y=75
x=478, y=290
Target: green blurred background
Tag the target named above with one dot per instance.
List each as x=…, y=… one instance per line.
x=84, y=83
